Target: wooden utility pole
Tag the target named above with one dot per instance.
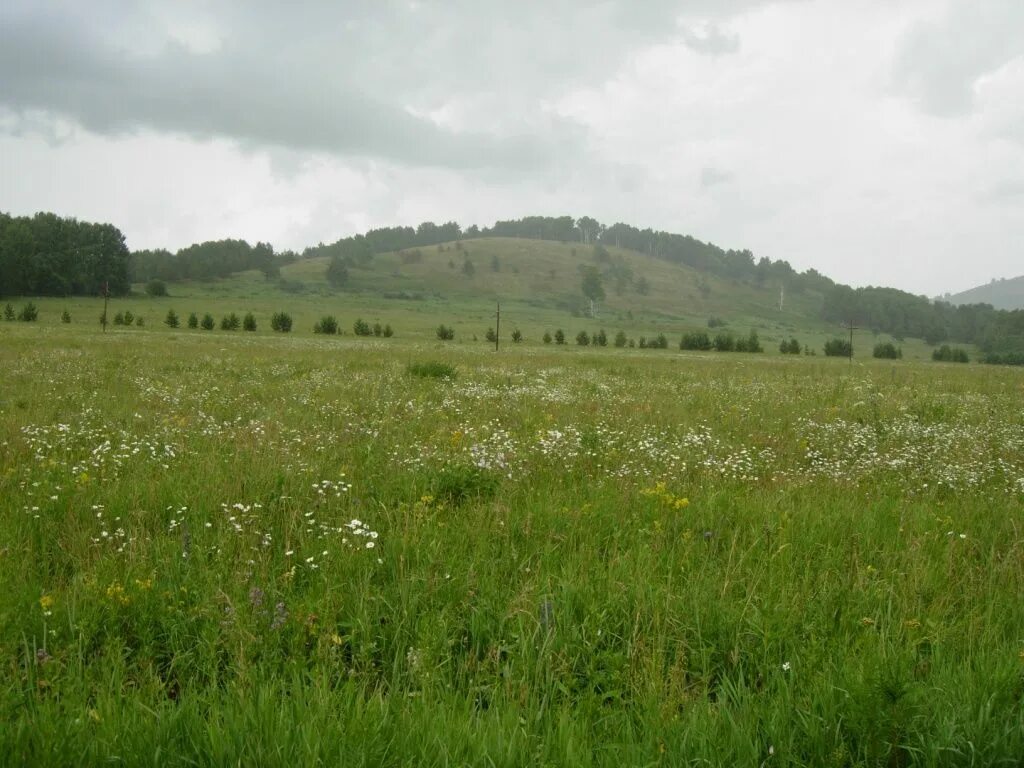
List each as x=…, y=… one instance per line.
x=106, y=297
x=497, y=335
x=851, y=327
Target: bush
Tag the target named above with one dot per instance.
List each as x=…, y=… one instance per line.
x=65, y=316
x=887, y=351
x=207, y=322
x=327, y=325
x=249, y=322
x=559, y=336
x=281, y=322
x=388, y=331
x=659, y=342
x=156, y=288
x=724, y=342
x=490, y=336
x=791, y=347
x=517, y=336
x=948, y=354
x=750, y=344
x=583, y=339
x=838, y=348
x=9, y=313
x=546, y=338
x=444, y=333
x=361, y=328
x=129, y=317
x=193, y=321
x=171, y=321
x=697, y=340
x=118, y=318
x=230, y=322
x=377, y=329
x=601, y=338
x=620, y=339
x=715, y=322
x=432, y=370
x=140, y=321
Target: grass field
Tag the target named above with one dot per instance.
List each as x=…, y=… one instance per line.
x=256, y=549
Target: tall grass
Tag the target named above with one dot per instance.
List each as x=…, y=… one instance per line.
x=223, y=549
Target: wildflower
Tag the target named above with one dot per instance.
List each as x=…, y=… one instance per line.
x=786, y=666
x=46, y=603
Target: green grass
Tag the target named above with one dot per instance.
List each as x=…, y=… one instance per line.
x=580, y=557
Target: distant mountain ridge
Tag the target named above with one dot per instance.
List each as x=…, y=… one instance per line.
x=1007, y=293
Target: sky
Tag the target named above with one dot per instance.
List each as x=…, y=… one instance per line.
x=879, y=142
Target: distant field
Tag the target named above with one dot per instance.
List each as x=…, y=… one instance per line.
x=250, y=548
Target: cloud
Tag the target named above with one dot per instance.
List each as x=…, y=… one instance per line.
x=940, y=61
x=459, y=84
x=710, y=177
x=711, y=40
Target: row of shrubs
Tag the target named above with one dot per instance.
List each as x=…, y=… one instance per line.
x=328, y=325
x=28, y=313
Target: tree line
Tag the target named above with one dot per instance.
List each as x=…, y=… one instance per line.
x=47, y=255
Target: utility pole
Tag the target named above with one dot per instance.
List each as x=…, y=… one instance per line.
x=851, y=327
x=782, y=295
x=106, y=297
x=497, y=335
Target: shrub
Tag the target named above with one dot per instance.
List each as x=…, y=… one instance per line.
x=724, y=342
x=620, y=339
x=546, y=338
x=207, y=322
x=29, y=313
x=156, y=288
x=838, y=348
x=327, y=325
x=948, y=354
x=490, y=336
x=791, y=347
x=171, y=321
x=887, y=351
x=129, y=317
x=119, y=318
x=601, y=338
x=432, y=370
x=377, y=329
x=193, y=321
x=361, y=328
x=559, y=336
x=697, y=340
x=750, y=344
x=444, y=333
x=9, y=313
x=230, y=322
x=281, y=322
x=659, y=342
x=642, y=343
x=583, y=338
x=715, y=322
x=65, y=316
x=140, y=321
x=388, y=331
x=249, y=322
x=517, y=336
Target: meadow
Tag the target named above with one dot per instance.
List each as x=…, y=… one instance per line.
x=256, y=549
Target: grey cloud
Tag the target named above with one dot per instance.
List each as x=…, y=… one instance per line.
x=710, y=177
x=360, y=78
x=939, y=62
x=710, y=40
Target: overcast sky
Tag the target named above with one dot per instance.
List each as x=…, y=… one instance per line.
x=880, y=142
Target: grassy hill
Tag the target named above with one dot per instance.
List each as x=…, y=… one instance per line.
x=538, y=283
x=1001, y=294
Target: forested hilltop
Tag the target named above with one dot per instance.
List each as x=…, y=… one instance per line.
x=47, y=255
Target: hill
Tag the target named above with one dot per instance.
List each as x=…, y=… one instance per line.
x=1007, y=293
